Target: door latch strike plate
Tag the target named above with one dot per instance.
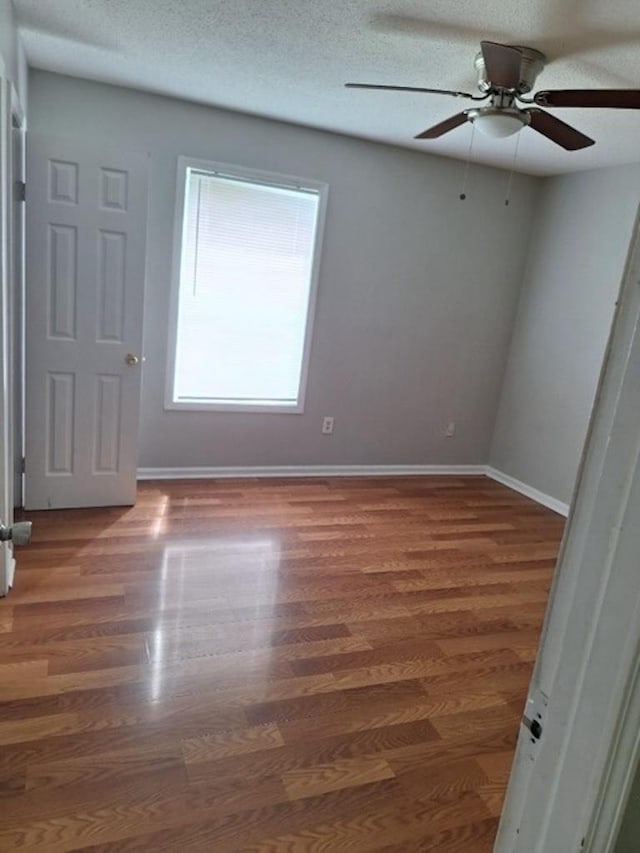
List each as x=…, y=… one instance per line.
x=533, y=719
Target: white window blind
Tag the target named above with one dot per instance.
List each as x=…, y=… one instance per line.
x=245, y=281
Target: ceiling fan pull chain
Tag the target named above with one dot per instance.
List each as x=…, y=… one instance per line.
x=463, y=194
x=513, y=168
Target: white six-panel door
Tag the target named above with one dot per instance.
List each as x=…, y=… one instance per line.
x=86, y=229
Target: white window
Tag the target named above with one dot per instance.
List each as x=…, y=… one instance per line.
x=246, y=258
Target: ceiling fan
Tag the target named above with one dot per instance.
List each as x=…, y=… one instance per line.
x=505, y=74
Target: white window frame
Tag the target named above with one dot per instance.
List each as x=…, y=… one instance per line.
x=257, y=176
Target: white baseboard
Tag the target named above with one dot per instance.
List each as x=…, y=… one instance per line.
x=310, y=471
x=528, y=491
x=243, y=472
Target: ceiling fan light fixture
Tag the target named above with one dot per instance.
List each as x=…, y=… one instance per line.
x=498, y=122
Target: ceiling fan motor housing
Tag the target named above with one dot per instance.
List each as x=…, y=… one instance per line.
x=531, y=65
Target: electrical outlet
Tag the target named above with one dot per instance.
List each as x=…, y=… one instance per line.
x=327, y=425
x=450, y=431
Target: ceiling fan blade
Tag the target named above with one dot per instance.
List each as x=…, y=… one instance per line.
x=413, y=89
x=612, y=99
x=502, y=64
x=444, y=127
x=557, y=131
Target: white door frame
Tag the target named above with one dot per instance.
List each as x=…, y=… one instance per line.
x=11, y=273
x=567, y=791
x=6, y=427
x=18, y=292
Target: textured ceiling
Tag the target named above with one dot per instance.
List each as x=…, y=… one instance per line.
x=288, y=59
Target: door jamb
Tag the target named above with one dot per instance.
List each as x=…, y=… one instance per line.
x=18, y=294
x=12, y=115
x=6, y=460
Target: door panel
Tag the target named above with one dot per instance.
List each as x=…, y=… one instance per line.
x=86, y=228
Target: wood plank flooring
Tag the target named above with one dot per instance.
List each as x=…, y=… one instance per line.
x=270, y=665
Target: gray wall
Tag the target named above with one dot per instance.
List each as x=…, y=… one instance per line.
x=8, y=38
x=12, y=51
x=576, y=260
x=417, y=289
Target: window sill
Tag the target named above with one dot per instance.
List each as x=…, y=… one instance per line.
x=250, y=408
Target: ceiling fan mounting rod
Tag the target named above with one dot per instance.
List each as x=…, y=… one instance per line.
x=503, y=99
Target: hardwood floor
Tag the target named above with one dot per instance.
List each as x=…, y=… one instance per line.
x=306, y=665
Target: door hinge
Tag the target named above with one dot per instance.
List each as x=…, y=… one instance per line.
x=21, y=191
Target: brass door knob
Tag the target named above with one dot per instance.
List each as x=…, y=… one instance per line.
x=131, y=359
